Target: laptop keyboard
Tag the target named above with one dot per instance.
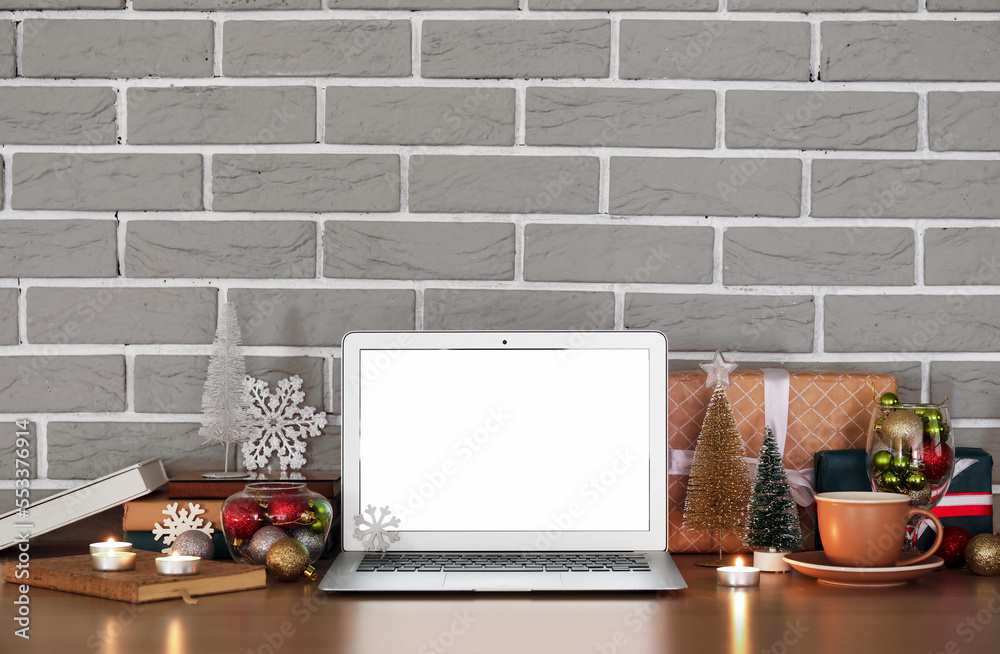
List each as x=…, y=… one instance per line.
x=504, y=561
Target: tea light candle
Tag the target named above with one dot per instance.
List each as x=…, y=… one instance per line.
x=113, y=561
x=110, y=545
x=738, y=575
x=175, y=564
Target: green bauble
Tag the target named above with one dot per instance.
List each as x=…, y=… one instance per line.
x=915, y=481
x=890, y=480
x=882, y=460
x=933, y=427
x=322, y=512
x=901, y=463
x=928, y=413
x=878, y=425
x=888, y=399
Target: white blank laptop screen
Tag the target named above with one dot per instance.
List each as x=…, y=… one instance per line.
x=507, y=440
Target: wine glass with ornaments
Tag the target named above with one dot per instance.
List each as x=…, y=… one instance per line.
x=282, y=525
x=911, y=451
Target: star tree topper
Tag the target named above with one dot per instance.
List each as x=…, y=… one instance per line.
x=718, y=370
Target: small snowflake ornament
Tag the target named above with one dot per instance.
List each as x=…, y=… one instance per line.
x=279, y=425
x=177, y=522
x=374, y=532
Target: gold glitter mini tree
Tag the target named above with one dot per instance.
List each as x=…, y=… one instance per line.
x=719, y=488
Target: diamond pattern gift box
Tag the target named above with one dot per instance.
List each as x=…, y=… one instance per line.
x=812, y=411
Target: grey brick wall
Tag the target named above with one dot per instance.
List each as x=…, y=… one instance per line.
x=802, y=183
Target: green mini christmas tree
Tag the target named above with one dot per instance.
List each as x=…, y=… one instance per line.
x=773, y=522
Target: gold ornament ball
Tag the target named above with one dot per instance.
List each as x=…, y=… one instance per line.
x=920, y=497
x=902, y=428
x=287, y=559
x=982, y=554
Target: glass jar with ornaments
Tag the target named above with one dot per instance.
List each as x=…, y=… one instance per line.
x=911, y=451
x=265, y=513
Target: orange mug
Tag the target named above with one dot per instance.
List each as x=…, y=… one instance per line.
x=867, y=530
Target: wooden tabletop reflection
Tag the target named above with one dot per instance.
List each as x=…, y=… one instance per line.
x=947, y=611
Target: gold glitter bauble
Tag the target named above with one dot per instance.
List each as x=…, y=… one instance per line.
x=920, y=497
x=288, y=560
x=903, y=428
x=982, y=554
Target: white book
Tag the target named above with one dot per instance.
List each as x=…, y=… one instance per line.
x=81, y=502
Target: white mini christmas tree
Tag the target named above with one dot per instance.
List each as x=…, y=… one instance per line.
x=225, y=403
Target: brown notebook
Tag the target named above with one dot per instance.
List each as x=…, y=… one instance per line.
x=73, y=574
x=191, y=484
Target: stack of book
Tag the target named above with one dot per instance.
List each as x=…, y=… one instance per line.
x=190, y=498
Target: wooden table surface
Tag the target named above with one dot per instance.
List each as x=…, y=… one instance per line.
x=948, y=611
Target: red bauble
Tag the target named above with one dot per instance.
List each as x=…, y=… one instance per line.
x=953, y=544
x=938, y=460
x=288, y=510
x=242, y=517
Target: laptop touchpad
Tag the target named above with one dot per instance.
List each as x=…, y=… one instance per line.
x=502, y=581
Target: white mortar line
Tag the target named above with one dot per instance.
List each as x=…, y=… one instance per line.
x=7, y=158
x=404, y=183
x=121, y=243
x=207, y=198
x=520, y=112
x=320, y=248
x=601, y=82
x=579, y=219
x=519, y=245
x=619, y=320
x=925, y=381
x=718, y=257
x=497, y=14
x=416, y=40
x=418, y=305
x=217, y=43
x=604, y=185
x=815, y=49
x=22, y=316
x=320, y=113
x=923, y=125
x=806, y=188
x=720, y=120
x=328, y=384
x=121, y=114
x=615, y=48
x=129, y=380
x=333, y=284
x=919, y=253
x=819, y=323
x=507, y=151
x=18, y=48
x=41, y=450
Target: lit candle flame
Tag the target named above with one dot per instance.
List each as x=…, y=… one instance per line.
x=175, y=554
x=739, y=562
x=111, y=540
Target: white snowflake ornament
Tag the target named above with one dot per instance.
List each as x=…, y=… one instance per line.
x=177, y=522
x=279, y=425
x=375, y=533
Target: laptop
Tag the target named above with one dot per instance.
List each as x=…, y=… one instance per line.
x=504, y=461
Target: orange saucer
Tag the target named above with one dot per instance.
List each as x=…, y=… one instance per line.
x=815, y=564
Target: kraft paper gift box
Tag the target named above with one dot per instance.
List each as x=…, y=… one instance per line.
x=968, y=502
x=808, y=412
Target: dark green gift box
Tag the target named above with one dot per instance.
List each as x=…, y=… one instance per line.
x=968, y=503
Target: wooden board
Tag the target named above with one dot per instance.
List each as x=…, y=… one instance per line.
x=192, y=485
x=73, y=574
